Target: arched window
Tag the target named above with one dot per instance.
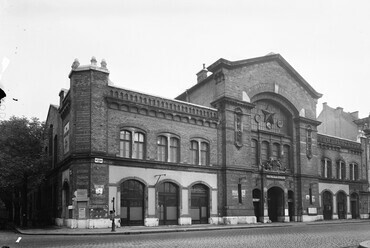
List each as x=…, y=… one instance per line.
x=162, y=148
x=326, y=168
x=341, y=169
x=194, y=155
x=174, y=150
x=254, y=154
x=168, y=148
x=199, y=152
x=132, y=144
x=353, y=171
x=264, y=151
x=275, y=151
x=286, y=156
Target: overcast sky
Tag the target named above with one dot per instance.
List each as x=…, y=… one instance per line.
x=158, y=46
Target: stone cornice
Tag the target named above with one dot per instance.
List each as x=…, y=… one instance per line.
x=307, y=121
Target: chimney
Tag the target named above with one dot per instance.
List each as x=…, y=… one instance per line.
x=62, y=94
x=202, y=74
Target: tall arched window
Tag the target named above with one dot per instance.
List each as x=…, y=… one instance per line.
x=275, y=151
x=326, y=168
x=204, y=153
x=341, y=169
x=286, y=156
x=254, y=154
x=353, y=171
x=168, y=148
x=264, y=151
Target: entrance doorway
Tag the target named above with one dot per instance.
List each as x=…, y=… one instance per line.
x=199, y=209
x=275, y=200
x=257, y=203
x=132, y=203
x=354, y=206
x=341, y=205
x=327, y=202
x=291, y=205
x=168, y=201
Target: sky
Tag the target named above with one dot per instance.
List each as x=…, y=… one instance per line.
x=158, y=46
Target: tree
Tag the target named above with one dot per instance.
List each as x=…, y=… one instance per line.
x=21, y=162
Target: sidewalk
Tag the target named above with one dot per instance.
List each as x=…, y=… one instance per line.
x=53, y=230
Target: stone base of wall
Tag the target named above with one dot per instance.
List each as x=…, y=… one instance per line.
x=283, y=219
x=309, y=218
x=151, y=222
x=184, y=221
x=364, y=216
x=88, y=223
x=234, y=220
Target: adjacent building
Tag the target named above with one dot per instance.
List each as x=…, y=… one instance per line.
x=243, y=145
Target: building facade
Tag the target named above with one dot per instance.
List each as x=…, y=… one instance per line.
x=240, y=146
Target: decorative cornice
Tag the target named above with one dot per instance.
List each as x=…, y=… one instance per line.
x=139, y=103
x=307, y=121
x=328, y=142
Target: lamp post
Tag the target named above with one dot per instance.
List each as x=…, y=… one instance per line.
x=112, y=217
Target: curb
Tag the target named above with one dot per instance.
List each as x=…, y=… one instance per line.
x=177, y=229
x=149, y=231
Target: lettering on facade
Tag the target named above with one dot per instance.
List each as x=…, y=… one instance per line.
x=275, y=177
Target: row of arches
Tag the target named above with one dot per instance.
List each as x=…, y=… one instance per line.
x=337, y=204
x=133, y=199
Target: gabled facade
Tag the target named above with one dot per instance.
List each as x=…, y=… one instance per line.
x=240, y=146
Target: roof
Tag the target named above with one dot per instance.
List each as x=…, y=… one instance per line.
x=223, y=63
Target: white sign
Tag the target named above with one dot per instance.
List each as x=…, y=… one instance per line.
x=312, y=210
x=99, y=160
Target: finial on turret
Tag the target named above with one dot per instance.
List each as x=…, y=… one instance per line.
x=93, y=61
x=103, y=63
x=75, y=64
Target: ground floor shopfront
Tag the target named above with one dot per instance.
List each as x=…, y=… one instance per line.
x=154, y=197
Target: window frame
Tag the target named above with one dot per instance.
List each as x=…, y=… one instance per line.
x=136, y=143
x=199, y=155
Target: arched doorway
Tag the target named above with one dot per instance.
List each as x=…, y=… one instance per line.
x=257, y=203
x=291, y=205
x=275, y=200
x=199, y=209
x=168, y=201
x=67, y=213
x=341, y=205
x=132, y=203
x=354, y=206
x=327, y=202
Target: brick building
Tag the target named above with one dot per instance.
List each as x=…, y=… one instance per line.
x=240, y=146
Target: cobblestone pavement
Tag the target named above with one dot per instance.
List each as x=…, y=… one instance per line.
x=307, y=235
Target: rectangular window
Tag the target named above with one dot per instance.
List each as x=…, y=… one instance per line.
x=264, y=151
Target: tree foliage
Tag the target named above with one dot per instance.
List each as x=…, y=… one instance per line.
x=21, y=151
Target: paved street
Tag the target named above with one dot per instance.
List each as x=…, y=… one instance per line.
x=291, y=235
